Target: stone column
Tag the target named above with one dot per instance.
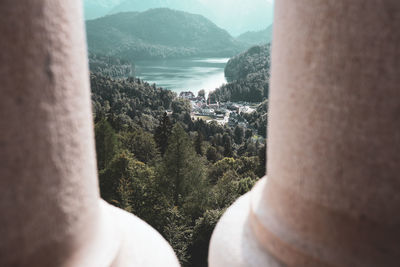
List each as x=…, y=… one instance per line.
x=332, y=193
x=51, y=212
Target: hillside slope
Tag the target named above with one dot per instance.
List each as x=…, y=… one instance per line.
x=159, y=33
x=248, y=74
x=234, y=16
x=111, y=67
x=257, y=37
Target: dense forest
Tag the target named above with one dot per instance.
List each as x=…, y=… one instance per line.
x=111, y=66
x=176, y=173
x=248, y=75
x=159, y=33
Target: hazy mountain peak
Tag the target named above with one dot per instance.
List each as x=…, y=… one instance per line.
x=236, y=16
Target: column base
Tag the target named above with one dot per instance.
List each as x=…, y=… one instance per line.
x=124, y=240
x=233, y=242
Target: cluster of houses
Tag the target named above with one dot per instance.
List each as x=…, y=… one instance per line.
x=222, y=113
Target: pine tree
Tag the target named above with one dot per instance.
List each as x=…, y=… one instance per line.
x=106, y=143
x=239, y=133
x=262, y=156
x=141, y=144
x=162, y=133
x=198, y=143
x=226, y=139
x=212, y=154
x=129, y=184
x=182, y=169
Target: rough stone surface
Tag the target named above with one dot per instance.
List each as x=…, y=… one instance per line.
x=331, y=198
x=49, y=198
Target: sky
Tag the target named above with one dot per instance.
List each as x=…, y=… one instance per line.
x=235, y=16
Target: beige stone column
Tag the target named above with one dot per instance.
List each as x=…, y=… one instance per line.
x=51, y=212
x=332, y=196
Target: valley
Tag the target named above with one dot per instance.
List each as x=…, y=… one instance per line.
x=180, y=114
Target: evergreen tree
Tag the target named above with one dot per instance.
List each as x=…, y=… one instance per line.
x=178, y=233
x=118, y=169
x=262, y=156
x=239, y=133
x=211, y=154
x=202, y=232
x=106, y=143
x=226, y=139
x=181, y=106
x=182, y=170
x=162, y=133
x=130, y=184
x=141, y=144
x=248, y=134
x=198, y=143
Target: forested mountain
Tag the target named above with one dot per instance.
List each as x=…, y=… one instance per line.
x=236, y=16
x=159, y=33
x=257, y=37
x=248, y=75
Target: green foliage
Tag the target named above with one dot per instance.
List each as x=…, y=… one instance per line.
x=226, y=190
x=153, y=164
x=227, y=142
x=262, y=157
x=141, y=144
x=120, y=168
x=162, y=133
x=248, y=75
x=110, y=66
x=201, y=236
x=219, y=168
x=245, y=185
x=182, y=170
x=128, y=103
x=243, y=167
x=258, y=119
x=198, y=143
x=178, y=233
x=180, y=105
x=106, y=143
x=239, y=134
x=212, y=154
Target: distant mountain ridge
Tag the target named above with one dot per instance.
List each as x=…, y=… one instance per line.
x=236, y=16
x=192, y=6
x=257, y=37
x=159, y=33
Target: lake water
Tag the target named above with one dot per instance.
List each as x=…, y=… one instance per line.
x=183, y=74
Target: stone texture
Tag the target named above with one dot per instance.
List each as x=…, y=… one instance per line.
x=52, y=214
x=331, y=197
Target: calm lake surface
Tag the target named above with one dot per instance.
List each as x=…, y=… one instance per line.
x=183, y=74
